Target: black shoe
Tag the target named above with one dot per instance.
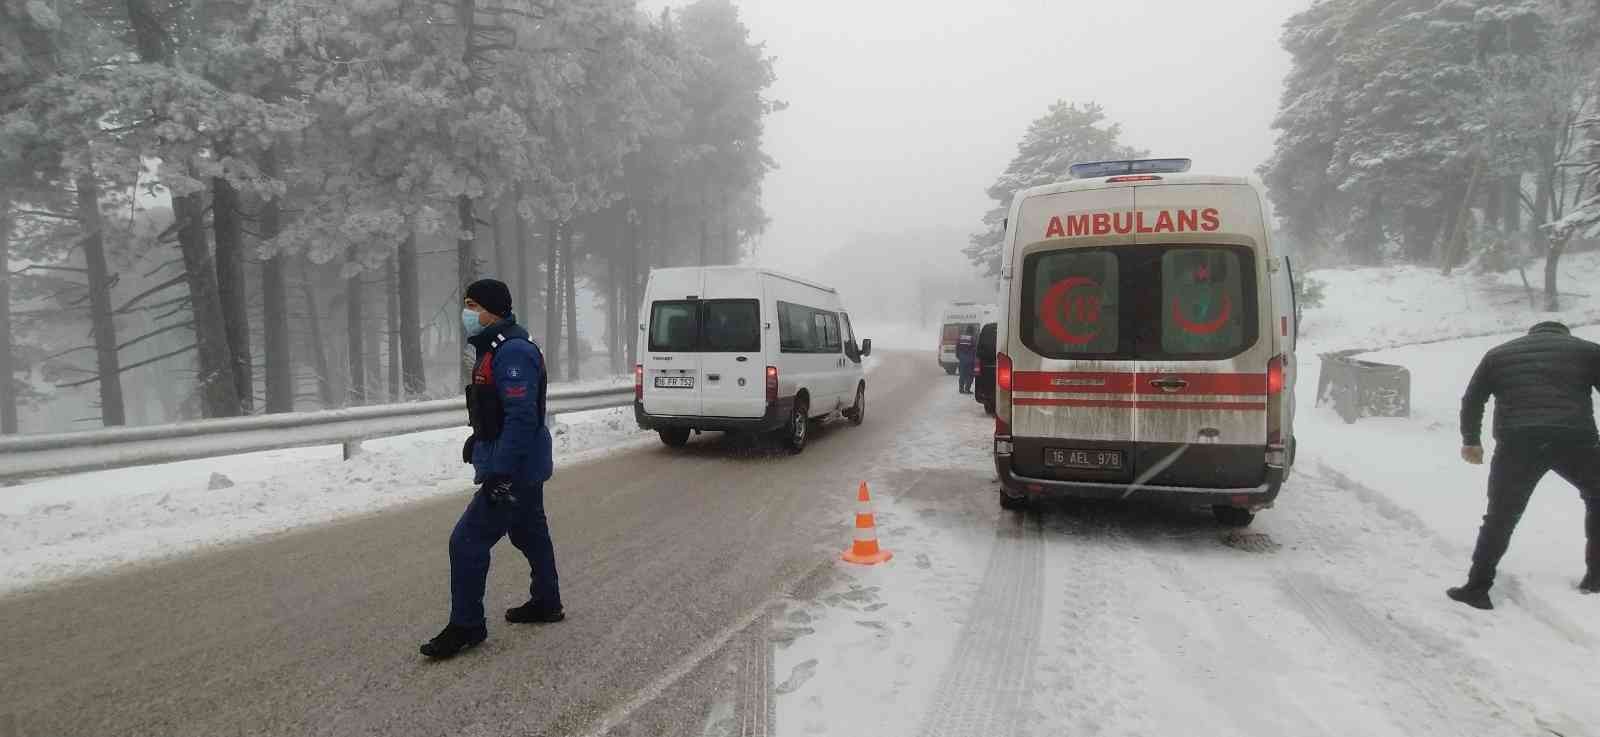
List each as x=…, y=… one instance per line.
x=1477, y=598
x=454, y=639
x=533, y=613
x=1590, y=583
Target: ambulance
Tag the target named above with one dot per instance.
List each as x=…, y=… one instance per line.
x=955, y=318
x=1146, y=342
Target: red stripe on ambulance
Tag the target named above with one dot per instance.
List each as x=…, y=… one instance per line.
x=1113, y=382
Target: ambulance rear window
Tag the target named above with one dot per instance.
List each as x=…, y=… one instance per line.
x=1203, y=296
x=1075, y=312
x=1150, y=303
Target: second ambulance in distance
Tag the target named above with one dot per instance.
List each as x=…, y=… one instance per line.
x=1146, y=342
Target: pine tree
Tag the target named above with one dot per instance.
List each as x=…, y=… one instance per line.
x=1068, y=134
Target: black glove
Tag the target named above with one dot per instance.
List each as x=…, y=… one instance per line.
x=498, y=489
x=466, y=449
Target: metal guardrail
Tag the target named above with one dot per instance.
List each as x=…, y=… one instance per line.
x=28, y=456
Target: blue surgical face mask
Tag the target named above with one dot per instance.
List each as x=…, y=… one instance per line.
x=469, y=320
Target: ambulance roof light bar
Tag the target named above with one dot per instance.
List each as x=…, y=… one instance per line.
x=1096, y=169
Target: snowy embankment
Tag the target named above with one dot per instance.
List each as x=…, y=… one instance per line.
x=1327, y=617
x=65, y=526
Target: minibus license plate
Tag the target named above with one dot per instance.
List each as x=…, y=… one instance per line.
x=1094, y=460
x=674, y=382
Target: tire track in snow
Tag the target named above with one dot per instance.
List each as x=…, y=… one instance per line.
x=1509, y=585
x=986, y=689
x=1435, y=675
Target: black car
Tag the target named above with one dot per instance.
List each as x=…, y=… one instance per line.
x=983, y=388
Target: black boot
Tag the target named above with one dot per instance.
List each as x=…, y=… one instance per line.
x=534, y=613
x=1591, y=580
x=1476, y=597
x=453, y=640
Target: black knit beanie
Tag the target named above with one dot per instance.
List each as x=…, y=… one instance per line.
x=492, y=295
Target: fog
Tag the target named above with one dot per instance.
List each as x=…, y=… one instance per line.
x=901, y=113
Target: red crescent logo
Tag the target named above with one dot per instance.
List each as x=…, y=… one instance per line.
x=1202, y=328
x=1050, y=310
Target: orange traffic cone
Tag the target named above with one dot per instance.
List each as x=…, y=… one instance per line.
x=865, y=548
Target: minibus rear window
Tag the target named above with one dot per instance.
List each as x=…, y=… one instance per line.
x=706, y=326
x=732, y=326
x=674, y=326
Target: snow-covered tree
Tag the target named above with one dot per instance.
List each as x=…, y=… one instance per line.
x=1068, y=134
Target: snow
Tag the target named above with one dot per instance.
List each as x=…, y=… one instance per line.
x=71, y=525
x=1327, y=617
x=1389, y=306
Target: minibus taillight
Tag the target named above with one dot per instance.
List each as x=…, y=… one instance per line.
x=1002, y=372
x=638, y=382
x=772, y=384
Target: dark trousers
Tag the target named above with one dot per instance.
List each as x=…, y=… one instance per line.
x=1518, y=466
x=480, y=527
x=965, y=373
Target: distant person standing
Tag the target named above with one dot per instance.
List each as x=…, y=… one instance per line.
x=1543, y=421
x=510, y=454
x=966, y=359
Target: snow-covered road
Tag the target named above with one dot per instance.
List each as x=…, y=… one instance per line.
x=1327, y=617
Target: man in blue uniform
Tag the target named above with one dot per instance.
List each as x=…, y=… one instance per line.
x=510, y=454
x=966, y=358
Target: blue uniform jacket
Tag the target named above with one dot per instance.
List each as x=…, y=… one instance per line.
x=516, y=367
x=966, y=350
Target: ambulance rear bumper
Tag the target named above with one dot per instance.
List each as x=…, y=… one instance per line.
x=1255, y=497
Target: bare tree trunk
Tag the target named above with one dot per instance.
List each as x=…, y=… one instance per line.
x=391, y=326
x=552, y=300
x=1456, y=248
x=568, y=274
x=637, y=263
x=319, y=353
x=1544, y=194
x=218, y=394
x=8, y=387
x=105, y=326
x=466, y=272
x=275, y=305
x=231, y=287
x=614, y=310
x=1552, y=265
x=522, y=246
x=354, y=337
x=413, y=375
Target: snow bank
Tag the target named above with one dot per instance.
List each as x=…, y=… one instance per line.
x=1389, y=306
x=69, y=525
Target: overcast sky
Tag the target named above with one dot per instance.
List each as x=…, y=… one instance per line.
x=902, y=112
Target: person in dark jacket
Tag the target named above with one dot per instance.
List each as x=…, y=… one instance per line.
x=510, y=454
x=966, y=359
x=1543, y=421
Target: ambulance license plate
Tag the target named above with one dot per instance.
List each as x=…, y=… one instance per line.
x=1092, y=460
x=674, y=382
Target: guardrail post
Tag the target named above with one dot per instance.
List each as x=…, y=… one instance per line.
x=352, y=448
